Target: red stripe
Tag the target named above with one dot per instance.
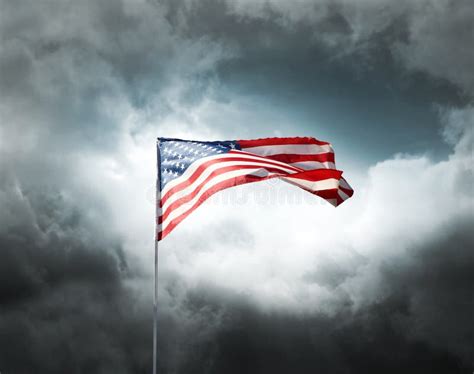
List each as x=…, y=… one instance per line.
x=291, y=158
x=327, y=194
x=205, y=165
x=279, y=141
x=317, y=175
x=215, y=173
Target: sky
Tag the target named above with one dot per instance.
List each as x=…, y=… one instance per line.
x=262, y=278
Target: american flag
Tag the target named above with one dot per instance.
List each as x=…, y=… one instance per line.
x=189, y=172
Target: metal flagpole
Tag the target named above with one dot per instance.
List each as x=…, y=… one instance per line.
x=155, y=309
x=157, y=211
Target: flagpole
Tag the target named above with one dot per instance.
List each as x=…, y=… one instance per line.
x=155, y=309
x=157, y=212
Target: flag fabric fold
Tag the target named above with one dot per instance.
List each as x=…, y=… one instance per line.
x=189, y=172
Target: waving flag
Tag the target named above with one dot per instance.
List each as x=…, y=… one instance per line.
x=189, y=172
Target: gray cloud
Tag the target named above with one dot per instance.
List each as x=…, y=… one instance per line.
x=306, y=61
x=72, y=73
x=64, y=303
x=417, y=33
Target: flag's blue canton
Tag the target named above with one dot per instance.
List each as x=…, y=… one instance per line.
x=176, y=155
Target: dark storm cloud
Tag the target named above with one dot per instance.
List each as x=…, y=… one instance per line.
x=422, y=324
x=307, y=64
x=63, y=303
x=66, y=301
x=71, y=299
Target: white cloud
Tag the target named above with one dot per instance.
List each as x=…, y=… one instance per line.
x=268, y=241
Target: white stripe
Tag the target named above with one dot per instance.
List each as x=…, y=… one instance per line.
x=297, y=149
x=261, y=172
x=190, y=188
x=259, y=158
x=195, y=165
x=313, y=165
